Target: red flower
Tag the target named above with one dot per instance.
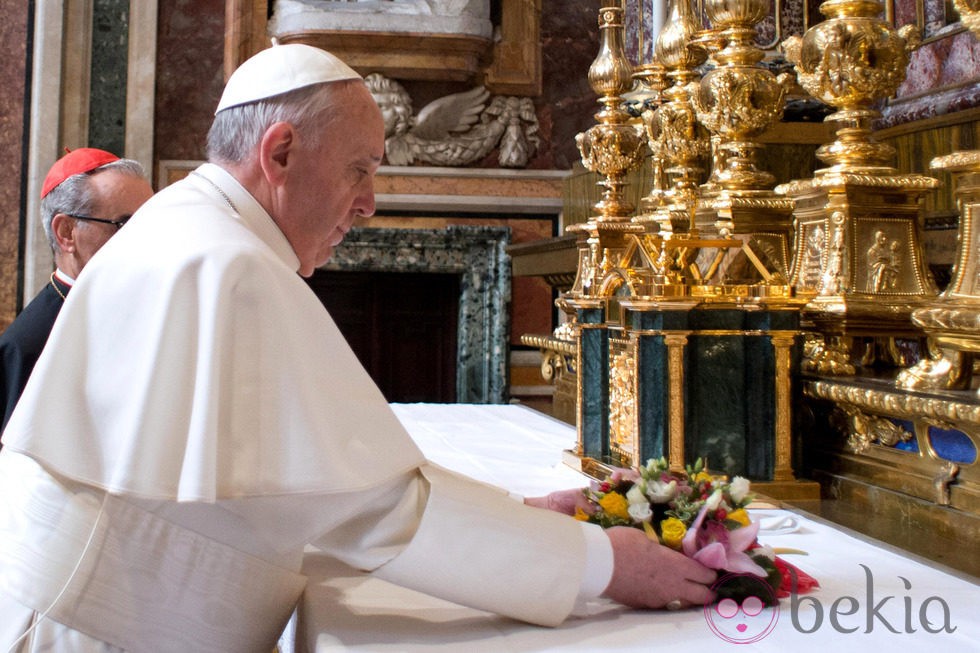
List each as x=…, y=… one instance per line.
x=803, y=582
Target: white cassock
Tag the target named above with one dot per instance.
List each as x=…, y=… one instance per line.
x=196, y=420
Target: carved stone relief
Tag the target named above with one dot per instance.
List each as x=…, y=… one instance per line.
x=457, y=129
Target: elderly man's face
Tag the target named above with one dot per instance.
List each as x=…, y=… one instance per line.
x=334, y=184
x=115, y=195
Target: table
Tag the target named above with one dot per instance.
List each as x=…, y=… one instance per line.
x=521, y=450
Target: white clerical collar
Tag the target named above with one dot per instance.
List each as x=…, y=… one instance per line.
x=218, y=180
x=64, y=278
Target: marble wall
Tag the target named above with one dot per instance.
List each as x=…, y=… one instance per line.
x=569, y=44
x=943, y=77
x=13, y=101
x=190, y=76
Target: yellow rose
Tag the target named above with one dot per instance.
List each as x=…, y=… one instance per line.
x=615, y=505
x=580, y=514
x=703, y=477
x=740, y=516
x=672, y=531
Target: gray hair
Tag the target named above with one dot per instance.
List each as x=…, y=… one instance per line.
x=73, y=196
x=236, y=131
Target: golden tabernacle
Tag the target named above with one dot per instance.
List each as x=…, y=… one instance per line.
x=790, y=333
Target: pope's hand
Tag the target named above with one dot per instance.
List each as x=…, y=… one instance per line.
x=563, y=501
x=649, y=575
x=567, y=501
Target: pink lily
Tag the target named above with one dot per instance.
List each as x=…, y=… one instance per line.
x=720, y=548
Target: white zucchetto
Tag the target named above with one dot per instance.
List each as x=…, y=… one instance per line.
x=280, y=69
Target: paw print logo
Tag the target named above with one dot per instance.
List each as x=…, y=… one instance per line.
x=746, y=619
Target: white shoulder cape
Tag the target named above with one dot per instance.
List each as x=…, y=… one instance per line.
x=190, y=362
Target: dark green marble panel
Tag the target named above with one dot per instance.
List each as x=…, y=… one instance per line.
x=594, y=379
x=110, y=53
x=657, y=320
x=760, y=407
x=715, y=414
x=653, y=397
x=729, y=385
x=772, y=320
x=718, y=318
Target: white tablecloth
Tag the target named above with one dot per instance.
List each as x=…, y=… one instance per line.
x=521, y=450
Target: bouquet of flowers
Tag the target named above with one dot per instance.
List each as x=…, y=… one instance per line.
x=705, y=517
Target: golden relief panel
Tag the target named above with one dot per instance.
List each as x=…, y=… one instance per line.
x=623, y=443
x=888, y=265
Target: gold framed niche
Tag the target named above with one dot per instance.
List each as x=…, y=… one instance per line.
x=510, y=65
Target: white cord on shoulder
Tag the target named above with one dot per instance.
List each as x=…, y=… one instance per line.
x=71, y=577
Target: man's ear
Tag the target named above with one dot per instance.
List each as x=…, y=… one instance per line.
x=63, y=229
x=276, y=151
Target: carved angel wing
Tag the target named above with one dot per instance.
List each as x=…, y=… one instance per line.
x=453, y=113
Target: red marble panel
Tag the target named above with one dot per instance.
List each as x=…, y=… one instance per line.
x=943, y=76
x=13, y=80
x=190, y=76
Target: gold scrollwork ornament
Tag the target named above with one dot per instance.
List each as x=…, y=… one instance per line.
x=866, y=430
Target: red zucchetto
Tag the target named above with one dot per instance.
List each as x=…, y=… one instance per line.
x=75, y=162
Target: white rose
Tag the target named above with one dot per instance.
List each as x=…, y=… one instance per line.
x=635, y=495
x=714, y=500
x=739, y=489
x=660, y=492
x=640, y=512
x=639, y=507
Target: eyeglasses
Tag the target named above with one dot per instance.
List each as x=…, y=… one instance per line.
x=117, y=223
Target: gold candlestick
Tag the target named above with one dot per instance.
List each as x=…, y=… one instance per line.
x=611, y=148
x=651, y=82
x=851, y=61
x=738, y=101
x=683, y=140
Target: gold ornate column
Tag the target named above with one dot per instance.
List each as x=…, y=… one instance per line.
x=857, y=241
x=611, y=148
x=675, y=363
x=783, y=343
